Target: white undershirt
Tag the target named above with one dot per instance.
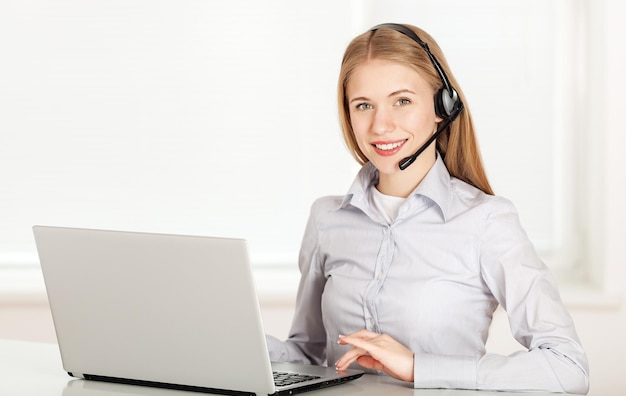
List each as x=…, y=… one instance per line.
x=388, y=206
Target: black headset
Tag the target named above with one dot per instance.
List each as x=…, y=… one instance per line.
x=448, y=105
x=447, y=101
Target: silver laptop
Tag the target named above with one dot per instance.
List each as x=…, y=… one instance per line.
x=160, y=310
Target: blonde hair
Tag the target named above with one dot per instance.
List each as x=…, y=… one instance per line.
x=457, y=144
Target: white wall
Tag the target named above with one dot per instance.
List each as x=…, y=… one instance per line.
x=168, y=116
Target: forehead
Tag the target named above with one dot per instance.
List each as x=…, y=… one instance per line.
x=382, y=77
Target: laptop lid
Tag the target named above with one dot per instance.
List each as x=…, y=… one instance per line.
x=154, y=309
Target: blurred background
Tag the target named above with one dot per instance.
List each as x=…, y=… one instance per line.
x=219, y=118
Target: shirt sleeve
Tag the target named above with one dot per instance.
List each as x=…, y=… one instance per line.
x=554, y=360
x=307, y=337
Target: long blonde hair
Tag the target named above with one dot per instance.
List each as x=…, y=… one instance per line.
x=457, y=144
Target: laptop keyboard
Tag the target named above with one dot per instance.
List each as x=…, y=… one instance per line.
x=285, y=379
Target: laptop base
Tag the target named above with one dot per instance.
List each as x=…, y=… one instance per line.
x=191, y=388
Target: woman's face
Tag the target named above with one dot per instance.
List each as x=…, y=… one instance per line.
x=391, y=111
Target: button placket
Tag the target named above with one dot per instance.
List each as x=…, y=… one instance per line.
x=381, y=269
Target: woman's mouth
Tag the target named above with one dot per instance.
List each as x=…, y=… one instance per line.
x=388, y=148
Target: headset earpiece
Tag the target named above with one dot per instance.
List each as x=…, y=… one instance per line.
x=446, y=103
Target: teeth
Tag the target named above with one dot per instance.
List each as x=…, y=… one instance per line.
x=388, y=146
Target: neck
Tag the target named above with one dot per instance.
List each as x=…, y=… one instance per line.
x=402, y=183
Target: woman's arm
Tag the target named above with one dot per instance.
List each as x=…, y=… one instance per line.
x=526, y=289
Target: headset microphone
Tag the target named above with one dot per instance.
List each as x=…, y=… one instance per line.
x=448, y=105
x=444, y=124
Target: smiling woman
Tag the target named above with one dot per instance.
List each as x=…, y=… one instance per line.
x=409, y=287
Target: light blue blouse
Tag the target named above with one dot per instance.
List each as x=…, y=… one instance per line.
x=432, y=279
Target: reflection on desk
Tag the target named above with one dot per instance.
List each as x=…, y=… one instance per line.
x=30, y=368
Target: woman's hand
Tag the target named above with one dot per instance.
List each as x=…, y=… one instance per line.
x=379, y=352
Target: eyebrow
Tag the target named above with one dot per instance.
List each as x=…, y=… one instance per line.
x=398, y=92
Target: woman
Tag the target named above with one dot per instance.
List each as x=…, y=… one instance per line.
x=403, y=274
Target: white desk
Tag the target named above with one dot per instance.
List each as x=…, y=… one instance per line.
x=34, y=369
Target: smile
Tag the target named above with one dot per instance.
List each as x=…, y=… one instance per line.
x=389, y=146
x=387, y=149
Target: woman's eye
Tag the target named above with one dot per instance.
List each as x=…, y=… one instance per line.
x=363, y=106
x=403, y=102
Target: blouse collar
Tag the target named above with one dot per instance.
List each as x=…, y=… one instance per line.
x=434, y=188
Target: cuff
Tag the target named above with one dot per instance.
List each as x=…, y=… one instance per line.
x=438, y=371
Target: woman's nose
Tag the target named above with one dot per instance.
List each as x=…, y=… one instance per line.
x=383, y=121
